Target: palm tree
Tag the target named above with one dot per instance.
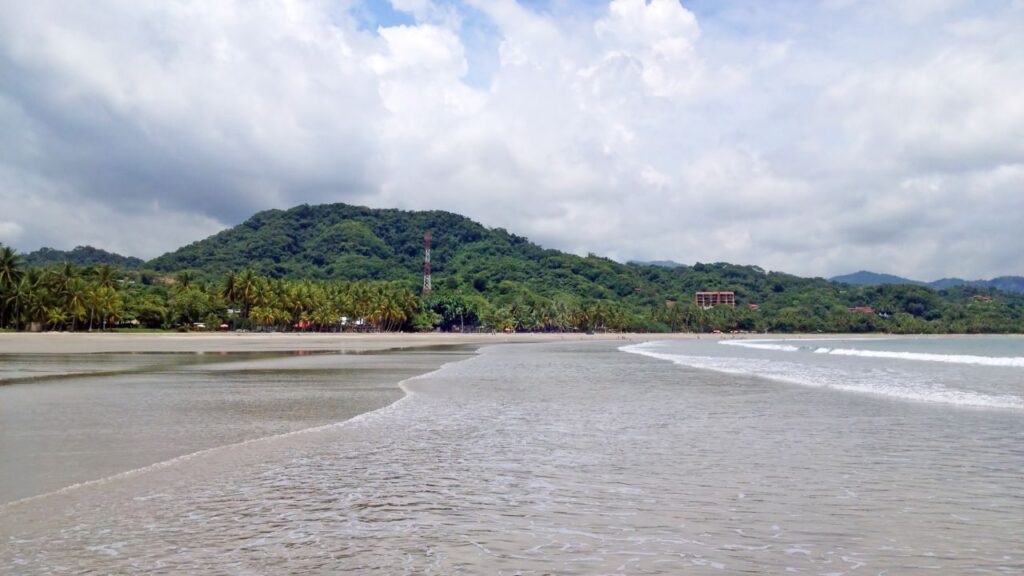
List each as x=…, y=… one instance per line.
x=9, y=300
x=245, y=291
x=10, y=266
x=62, y=278
x=105, y=276
x=262, y=293
x=76, y=300
x=108, y=304
x=32, y=297
x=264, y=316
x=231, y=288
x=91, y=303
x=55, y=317
x=10, y=273
x=185, y=280
x=324, y=315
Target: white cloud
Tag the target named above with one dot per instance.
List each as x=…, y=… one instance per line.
x=773, y=136
x=659, y=36
x=10, y=231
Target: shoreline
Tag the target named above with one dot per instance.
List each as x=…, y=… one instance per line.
x=92, y=342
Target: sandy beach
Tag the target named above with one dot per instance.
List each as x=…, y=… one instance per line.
x=95, y=342
x=84, y=343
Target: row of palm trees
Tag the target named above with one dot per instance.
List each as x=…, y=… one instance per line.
x=557, y=315
x=72, y=298
x=687, y=317
x=316, y=305
x=57, y=298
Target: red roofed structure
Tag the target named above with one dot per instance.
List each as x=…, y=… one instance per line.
x=712, y=299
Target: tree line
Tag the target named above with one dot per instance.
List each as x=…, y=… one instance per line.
x=98, y=297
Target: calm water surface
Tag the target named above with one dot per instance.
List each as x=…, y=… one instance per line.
x=580, y=459
x=140, y=409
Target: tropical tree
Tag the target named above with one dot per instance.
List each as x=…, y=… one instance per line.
x=229, y=292
x=10, y=274
x=76, y=300
x=189, y=305
x=245, y=291
x=55, y=317
x=108, y=305
x=105, y=276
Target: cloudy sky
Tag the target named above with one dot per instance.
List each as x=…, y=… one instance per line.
x=812, y=137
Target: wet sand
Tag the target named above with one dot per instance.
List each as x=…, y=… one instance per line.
x=85, y=343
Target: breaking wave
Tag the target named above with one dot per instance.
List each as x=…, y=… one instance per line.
x=1008, y=361
x=971, y=359
x=903, y=386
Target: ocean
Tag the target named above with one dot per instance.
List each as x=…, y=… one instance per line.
x=875, y=456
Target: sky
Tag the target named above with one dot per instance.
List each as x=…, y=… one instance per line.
x=816, y=138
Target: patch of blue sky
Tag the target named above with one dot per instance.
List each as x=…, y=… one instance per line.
x=481, y=39
x=478, y=34
x=374, y=14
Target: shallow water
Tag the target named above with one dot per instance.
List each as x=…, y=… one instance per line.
x=569, y=458
x=19, y=367
x=146, y=408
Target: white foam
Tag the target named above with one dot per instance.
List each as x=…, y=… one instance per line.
x=776, y=345
x=761, y=345
x=1004, y=361
x=901, y=386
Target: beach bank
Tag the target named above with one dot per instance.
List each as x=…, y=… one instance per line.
x=95, y=342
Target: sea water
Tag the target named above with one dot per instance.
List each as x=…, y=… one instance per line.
x=683, y=457
x=985, y=372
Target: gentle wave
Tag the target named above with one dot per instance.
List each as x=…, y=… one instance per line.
x=1006, y=361
x=875, y=383
x=999, y=361
x=761, y=345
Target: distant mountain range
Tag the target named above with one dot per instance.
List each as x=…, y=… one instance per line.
x=865, y=278
x=80, y=256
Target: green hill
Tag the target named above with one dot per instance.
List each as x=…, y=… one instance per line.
x=79, y=256
x=334, y=241
x=339, y=241
x=498, y=270
x=288, y=268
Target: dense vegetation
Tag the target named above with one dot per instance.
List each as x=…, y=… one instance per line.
x=339, y=267
x=79, y=256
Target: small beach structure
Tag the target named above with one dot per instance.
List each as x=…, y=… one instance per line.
x=712, y=299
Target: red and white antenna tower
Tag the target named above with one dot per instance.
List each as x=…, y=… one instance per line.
x=426, y=264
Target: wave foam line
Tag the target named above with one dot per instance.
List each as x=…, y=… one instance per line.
x=761, y=345
x=786, y=372
x=1004, y=361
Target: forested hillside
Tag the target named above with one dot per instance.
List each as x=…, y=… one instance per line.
x=307, y=267
x=79, y=256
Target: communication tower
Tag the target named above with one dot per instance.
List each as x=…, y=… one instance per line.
x=426, y=264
